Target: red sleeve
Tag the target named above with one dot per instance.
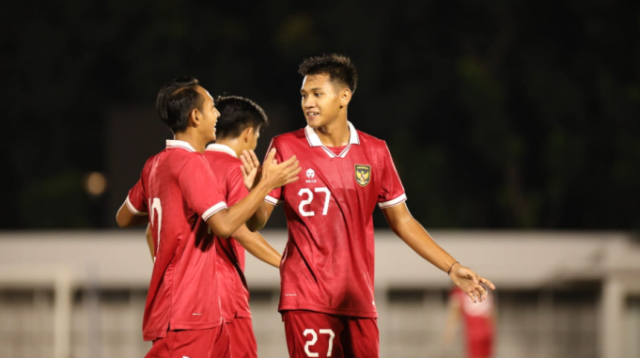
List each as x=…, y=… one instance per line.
x=137, y=199
x=197, y=183
x=236, y=190
x=391, y=191
x=275, y=196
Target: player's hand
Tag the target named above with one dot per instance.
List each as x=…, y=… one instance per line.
x=275, y=175
x=251, y=169
x=471, y=283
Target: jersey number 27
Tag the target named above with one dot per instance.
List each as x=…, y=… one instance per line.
x=309, y=194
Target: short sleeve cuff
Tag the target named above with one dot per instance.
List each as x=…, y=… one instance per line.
x=399, y=200
x=133, y=209
x=271, y=200
x=213, y=210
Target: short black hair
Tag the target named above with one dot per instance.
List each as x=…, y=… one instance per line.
x=338, y=67
x=176, y=99
x=237, y=114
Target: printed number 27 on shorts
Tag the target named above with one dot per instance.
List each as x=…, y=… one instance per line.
x=314, y=338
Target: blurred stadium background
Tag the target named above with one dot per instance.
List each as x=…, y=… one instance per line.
x=515, y=126
x=564, y=295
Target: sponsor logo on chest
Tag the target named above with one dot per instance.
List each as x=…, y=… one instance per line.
x=311, y=174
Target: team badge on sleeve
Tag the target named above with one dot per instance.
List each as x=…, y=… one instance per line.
x=363, y=174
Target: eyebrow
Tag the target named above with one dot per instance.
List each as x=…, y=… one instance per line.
x=315, y=89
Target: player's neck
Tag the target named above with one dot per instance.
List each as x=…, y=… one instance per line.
x=191, y=137
x=335, y=133
x=234, y=144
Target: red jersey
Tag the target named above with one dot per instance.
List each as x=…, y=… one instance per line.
x=175, y=188
x=232, y=285
x=328, y=263
x=478, y=317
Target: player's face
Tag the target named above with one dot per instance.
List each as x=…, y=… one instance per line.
x=209, y=115
x=320, y=100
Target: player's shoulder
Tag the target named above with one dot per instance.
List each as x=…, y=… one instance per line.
x=289, y=137
x=366, y=137
x=223, y=164
x=155, y=159
x=152, y=159
x=183, y=160
x=221, y=157
x=184, y=156
x=371, y=142
x=178, y=154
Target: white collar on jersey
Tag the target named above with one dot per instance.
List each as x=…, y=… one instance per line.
x=172, y=143
x=314, y=141
x=215, y=147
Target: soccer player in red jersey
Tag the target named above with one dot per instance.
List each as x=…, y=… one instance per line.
x=327, y=271
x=479, y=323
x=238, y=129
x=176, y=196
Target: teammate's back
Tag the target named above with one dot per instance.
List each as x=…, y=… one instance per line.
x=239, y=126
x=168, y=185
x=230, y=255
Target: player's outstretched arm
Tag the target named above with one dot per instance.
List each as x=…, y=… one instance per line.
x=257, y=246
x=126, y=218
x=251, y=171
x=411, y=232
x=260, y=218
x=226, y=222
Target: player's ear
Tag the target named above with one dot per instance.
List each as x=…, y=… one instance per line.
x=194, y=117
x=246, y=134
x=345, y=97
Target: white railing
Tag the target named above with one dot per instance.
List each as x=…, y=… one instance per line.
x=65, y=262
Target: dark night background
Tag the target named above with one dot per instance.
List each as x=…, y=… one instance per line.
x=499, y=114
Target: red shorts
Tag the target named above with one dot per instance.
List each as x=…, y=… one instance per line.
x=480, y=347
x=313, y=334
x=202, y=343
x=243, y=341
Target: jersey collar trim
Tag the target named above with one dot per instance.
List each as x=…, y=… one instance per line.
x=314, y=141
x=215, y=147
x=172, y=143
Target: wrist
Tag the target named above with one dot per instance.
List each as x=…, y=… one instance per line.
x=451, y=267
x=262, y=187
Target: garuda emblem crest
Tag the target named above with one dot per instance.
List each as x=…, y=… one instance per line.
x=363, y=174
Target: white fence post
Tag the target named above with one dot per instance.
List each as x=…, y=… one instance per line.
x=611, y=332
x=62, y=314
